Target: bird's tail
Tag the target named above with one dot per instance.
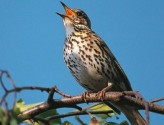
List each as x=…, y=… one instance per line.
x=132, y=115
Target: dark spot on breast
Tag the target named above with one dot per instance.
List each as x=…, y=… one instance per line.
x=86, y=48
x=69, y=63
x=96, y=51
x=84, y=63
x=89, y=57
x=88, y=44
x=90, y=64
x=99, y=72
x=74, y=40
x=98, y=69
x=95, y=41
x=83, y=57
x=82, y=51
x=66, y=62
x=91, y=47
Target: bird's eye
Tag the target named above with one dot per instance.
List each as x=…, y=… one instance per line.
x=79, y=14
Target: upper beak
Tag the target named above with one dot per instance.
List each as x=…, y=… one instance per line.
x=69, y=12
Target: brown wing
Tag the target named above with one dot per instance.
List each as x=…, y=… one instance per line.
x=120, y=73
x=119, y=69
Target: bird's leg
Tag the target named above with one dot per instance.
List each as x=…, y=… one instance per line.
x=101, y=93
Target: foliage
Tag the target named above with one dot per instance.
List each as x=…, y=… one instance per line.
x=12, y=115
x=7, y=118
x=99, y=113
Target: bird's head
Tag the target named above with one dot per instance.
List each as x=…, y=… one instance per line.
x=74, y=17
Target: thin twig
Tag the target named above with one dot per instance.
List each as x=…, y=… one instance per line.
x=11, y=81
x=157, y=100
x=61, y=93
x=18, y=89
x=82, y=112
x=14, y=86
x=2, y=72
x=79, y=120
x=51, y=94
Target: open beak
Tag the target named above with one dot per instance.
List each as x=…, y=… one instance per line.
x=69, y=12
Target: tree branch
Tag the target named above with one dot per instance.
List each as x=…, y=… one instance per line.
x=124, y=98
x=109, y=96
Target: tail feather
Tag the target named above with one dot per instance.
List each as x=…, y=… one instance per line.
x=132, y=115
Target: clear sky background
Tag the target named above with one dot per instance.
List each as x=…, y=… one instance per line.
x=32, y=38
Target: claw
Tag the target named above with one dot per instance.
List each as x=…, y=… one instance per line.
x=101, y=94
x=84, y=96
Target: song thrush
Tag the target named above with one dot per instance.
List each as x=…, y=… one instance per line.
x=91, y=62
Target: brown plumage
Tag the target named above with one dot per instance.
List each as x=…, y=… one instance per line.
x=91, y=62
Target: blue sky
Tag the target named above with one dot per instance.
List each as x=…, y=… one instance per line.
x=32, y=38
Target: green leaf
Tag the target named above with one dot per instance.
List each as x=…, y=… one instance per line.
x=21, y=106
x=2, y=116
x=13, y=121
x=102, y=107
x=4, y=119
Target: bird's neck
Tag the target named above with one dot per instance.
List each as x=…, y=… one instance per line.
x=76, y=28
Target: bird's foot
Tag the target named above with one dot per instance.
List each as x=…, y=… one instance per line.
x=101, y=94
x=135, y=94
x=85, y=94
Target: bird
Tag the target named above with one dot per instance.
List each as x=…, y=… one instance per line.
x=91, y=62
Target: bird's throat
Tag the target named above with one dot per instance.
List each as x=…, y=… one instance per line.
x=69, y=30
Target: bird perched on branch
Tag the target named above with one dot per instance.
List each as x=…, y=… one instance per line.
x=91, y=62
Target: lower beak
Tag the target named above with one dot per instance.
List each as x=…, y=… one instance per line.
x=62, y=15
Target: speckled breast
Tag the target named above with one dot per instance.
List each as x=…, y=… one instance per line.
x=85, y=62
